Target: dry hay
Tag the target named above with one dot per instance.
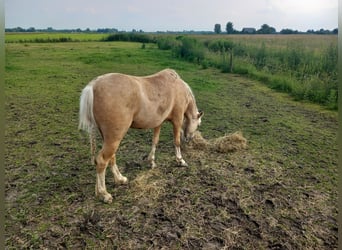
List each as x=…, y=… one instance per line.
x=148, y=184
x=198, y=142
x=224, y=144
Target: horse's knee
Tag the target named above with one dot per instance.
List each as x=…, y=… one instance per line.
x=101, y=163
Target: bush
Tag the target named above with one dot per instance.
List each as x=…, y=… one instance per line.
x=295, y=69
x=221, y=46
x=167, y=43
x=189, y=49
x=224, y=47
x=130, y=37
x=294, y=58
x=332, y=99
x=260, y=57
x=51, y=40
x=330, y=60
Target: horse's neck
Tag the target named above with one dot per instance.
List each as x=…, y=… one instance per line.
x=191, y=111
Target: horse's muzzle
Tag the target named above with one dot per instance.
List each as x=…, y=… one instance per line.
x=187, y=138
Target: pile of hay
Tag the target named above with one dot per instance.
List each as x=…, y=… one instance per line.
x=228, y=143
x=147, y=184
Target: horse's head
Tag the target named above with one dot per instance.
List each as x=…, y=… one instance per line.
x=190, y=125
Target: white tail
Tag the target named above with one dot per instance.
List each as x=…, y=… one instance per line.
x=87, y=120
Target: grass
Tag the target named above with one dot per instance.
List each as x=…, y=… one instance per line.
x=279, y=193
x=51, y=37
x=303, y=66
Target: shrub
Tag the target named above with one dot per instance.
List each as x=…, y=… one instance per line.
x=332, y=99
x=130, y=37
x=224, y=47
x=167, y=43
x=305, y=73
x=260, y=57
x=189, y=49
x=330, y=60
x=294, y=59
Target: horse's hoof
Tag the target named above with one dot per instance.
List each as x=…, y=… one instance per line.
x=108, y=199
x=182, y=163
x=123, y=180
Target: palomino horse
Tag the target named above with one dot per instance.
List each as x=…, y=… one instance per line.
x=114, y=102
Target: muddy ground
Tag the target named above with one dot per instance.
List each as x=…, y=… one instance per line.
x=279, y=193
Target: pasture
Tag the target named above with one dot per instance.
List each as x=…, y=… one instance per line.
x=280, y=193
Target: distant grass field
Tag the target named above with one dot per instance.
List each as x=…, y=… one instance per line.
x=38, y=37
x=280, y=193
x=304, y=66
x=318, y=42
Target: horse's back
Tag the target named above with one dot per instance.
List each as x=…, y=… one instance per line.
x=143, y=102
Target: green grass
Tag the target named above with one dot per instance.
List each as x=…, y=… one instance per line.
x=45, y=37
x=281, y=192
x=303, y=66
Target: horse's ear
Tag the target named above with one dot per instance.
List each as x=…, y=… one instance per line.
x=200, y=114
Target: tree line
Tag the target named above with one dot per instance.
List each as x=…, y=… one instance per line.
x=229, y=29
x=51, y=30
x=266, y=29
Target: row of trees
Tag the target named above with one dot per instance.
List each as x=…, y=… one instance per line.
x=50, y=29
x=266, y=29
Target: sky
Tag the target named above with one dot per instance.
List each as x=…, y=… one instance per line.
x=171, y=15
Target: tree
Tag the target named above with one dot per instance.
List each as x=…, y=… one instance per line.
x=217, y=28
x=288, y=31
x=229, y=28
x=266, y=29
x=31, y=29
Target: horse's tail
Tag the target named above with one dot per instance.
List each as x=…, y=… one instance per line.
x=87, y=121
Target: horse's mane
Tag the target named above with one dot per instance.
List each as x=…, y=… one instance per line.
x=175, y=76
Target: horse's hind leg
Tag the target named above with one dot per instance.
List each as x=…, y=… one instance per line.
x=105, y=155
x=151, y=156
x=118, y=177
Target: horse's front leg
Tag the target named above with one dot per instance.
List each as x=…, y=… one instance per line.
x=155, y=140
x=177, y=142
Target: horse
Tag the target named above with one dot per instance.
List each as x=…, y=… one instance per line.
x=114, y=102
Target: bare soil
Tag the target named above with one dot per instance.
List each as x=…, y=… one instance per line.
x=278, y=193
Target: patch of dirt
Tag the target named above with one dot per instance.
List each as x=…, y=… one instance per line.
x=278, y=193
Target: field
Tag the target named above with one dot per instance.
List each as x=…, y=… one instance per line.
x=280, y=193
x=52, y=37
x=303, y=66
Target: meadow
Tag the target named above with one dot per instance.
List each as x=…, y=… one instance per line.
x=52, y=37
x=303, y=66
x=280, y=193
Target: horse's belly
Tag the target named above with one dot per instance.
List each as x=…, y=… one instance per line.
x=150, y=118
x=147, y=122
